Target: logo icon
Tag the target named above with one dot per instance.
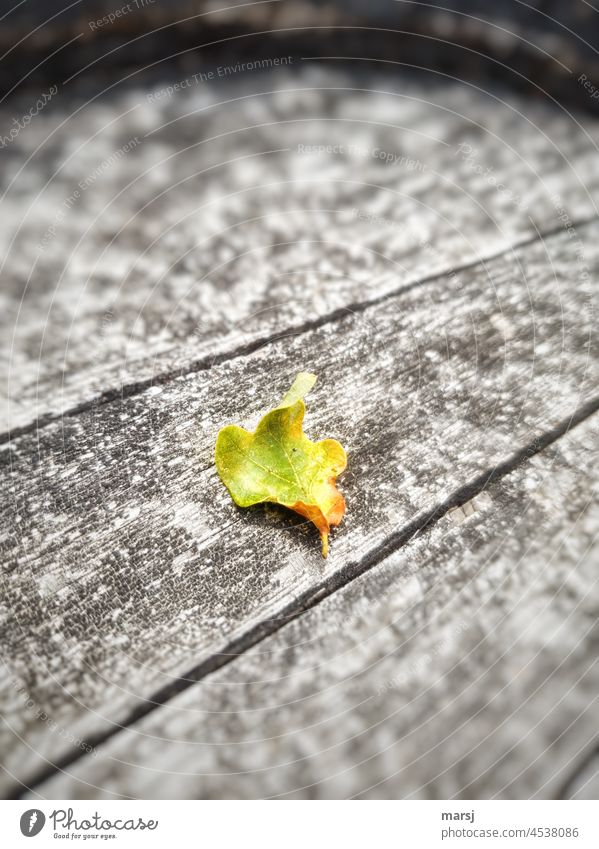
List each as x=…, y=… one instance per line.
x=32, y=822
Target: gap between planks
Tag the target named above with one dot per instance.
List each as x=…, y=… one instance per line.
x=299, y=606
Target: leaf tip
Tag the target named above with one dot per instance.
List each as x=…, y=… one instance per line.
x=303, y=383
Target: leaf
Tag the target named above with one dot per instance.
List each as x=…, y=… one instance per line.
x=278, y=463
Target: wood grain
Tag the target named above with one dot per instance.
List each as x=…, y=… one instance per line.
x=464, y=665
x=584, y=784
x=130, y=568
x=169, y=230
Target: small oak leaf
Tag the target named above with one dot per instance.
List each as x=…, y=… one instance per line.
x=278, y=463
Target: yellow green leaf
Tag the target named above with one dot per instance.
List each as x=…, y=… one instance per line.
x=278, y=463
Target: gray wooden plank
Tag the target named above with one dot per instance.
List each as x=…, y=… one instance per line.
x=216, y=229
x=462, y=666
x=129, y=564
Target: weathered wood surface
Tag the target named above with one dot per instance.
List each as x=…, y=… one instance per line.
x=215, y=232
x=182, y=289
x=463, y=665
x=130, y=566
